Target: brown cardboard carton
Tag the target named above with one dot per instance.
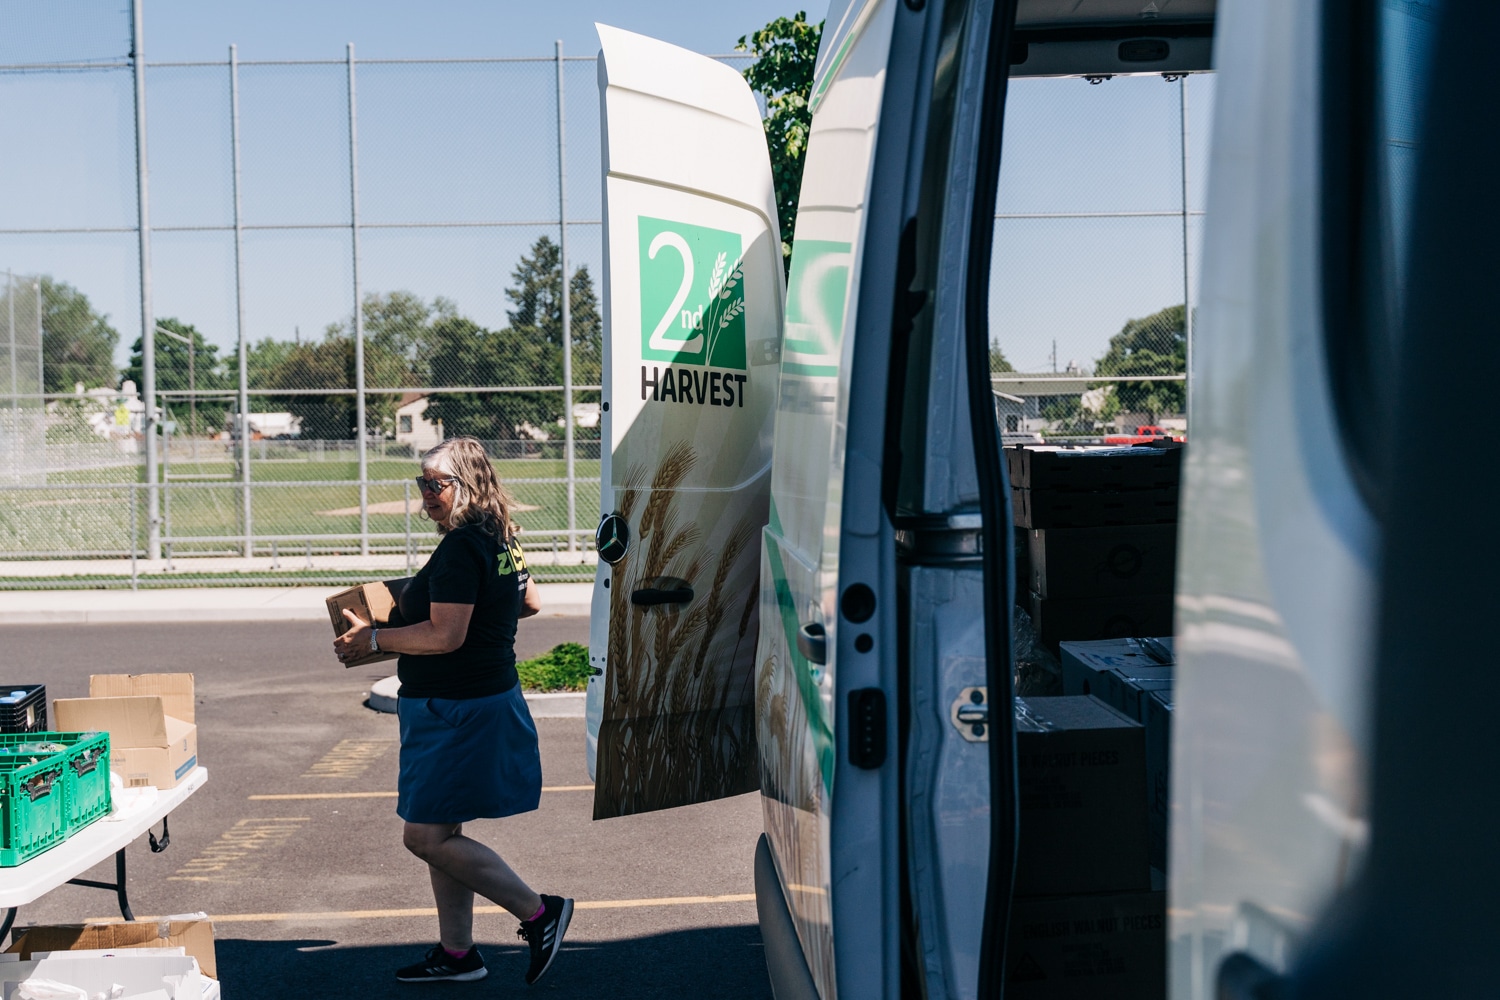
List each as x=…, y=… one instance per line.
x=1081, y=767
x=196, y=937
x=174, y=690
x=1086, y=947
x=149, y=744
x=376, y=603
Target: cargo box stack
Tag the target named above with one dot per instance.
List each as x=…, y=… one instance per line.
x=1134, y=676
x=1100, y=540
x=1088, y=919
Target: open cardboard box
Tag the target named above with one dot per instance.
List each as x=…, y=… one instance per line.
x=376, y=603
x=153, y=739
x=192, y=934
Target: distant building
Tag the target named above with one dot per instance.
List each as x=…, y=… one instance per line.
x=274, y=425
x=1039, y=391
x=412, y=425
x=585, y=415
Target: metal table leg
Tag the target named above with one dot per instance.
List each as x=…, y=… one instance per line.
x=118, y=885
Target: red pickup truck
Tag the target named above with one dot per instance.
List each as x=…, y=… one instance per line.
x=1144, y=434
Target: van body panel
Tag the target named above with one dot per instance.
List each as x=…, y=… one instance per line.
x=799, y=702
x=1276, y=548
x=692, y=318
x=947, y=778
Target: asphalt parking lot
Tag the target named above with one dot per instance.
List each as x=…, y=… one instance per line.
x=294, y=847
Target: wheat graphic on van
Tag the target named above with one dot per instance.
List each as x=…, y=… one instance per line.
x=692, y=294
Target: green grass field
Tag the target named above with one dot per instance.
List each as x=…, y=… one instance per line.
x=202, y=516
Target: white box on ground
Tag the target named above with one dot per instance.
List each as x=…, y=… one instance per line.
x=162, y=977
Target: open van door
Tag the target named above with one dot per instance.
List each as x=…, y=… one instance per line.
x=692, y=320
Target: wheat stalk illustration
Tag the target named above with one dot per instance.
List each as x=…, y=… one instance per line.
x=716, y=280
x=679, y=738
x=723, y=299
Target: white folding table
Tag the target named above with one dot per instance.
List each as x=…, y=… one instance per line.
x=136, y=811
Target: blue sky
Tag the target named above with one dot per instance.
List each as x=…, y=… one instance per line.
x=467, y=143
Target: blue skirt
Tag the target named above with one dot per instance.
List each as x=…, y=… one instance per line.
x=474, y=758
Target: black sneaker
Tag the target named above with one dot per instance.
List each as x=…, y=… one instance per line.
x=545, y=934
x=439, y=966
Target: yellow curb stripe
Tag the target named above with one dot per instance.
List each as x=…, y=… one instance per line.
x=383, y=795
x=583, y=904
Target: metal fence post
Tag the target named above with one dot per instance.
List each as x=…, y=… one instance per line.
x=406, y=506
x=567, y=303
x=15, y=399
x=134, y=536
x=359, y=326
x=148, y=321
x=239, y=305
x=1187, y=283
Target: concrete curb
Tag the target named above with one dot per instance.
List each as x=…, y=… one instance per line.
x=385, y=692
x=215, y=604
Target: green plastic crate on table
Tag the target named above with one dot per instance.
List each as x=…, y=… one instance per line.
x=33, y=807
x=87, y=791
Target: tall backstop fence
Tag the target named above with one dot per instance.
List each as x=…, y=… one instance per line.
x=260, y=289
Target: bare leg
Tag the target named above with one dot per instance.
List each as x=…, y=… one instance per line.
x=455, y=906
x=469, y=865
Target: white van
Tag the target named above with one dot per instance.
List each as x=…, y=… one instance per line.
x=806, y=575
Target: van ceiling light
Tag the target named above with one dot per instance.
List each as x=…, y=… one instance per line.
x=1137, y=50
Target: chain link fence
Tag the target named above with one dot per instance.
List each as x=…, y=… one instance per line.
x=314, y=270
x=340, y=262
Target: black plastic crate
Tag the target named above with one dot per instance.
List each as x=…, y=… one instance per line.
x=23, y=708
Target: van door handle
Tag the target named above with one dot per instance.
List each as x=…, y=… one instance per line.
x=812, y=642
x=652, y=596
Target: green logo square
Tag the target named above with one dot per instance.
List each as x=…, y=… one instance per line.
x=692, y=294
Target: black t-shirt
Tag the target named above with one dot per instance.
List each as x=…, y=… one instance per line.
x=468, y=567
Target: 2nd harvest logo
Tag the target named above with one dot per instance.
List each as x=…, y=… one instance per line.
x=692, y=295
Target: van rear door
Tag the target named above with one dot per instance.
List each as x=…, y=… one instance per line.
x=692, y=318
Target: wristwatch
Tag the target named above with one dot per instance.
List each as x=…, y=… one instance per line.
x=374, y=642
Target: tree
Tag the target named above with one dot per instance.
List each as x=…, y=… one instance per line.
x=785, y=51
x=1155, y=345
x=328, y=364
x=173, y=374
x=998, y=362
x=527, y=352
x=262, y=359
x=78, y=344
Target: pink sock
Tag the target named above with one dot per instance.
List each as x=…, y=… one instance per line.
x=456, y=954
x=538, y=914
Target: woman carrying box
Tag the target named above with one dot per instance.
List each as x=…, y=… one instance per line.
x=468, y=745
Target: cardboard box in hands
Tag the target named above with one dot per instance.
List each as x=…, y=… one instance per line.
x=377, y=603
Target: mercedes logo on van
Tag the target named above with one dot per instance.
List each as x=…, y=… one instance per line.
x=612, y=538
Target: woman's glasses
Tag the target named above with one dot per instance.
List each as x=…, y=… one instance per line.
x=434, y=486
